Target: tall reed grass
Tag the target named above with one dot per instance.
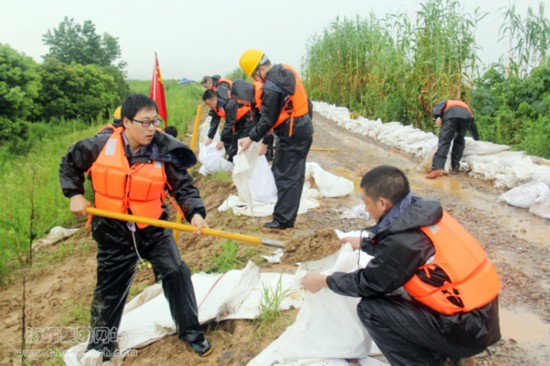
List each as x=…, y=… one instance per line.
x=393, y=68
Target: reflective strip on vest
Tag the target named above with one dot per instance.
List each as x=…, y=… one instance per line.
x=121, y=188
x=474, y=281
x=457, y=103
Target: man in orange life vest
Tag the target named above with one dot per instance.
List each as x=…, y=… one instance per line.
x=220, y=108
x=449, y=306
x=130, y=170
x=214, y=82
x=244, y=116
x=285, y=111
x=221, y=86
x=454, y=118
x=117, y=123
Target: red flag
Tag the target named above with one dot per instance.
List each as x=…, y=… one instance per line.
x=157, y=92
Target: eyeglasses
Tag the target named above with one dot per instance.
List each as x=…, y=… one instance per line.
x=146, y=124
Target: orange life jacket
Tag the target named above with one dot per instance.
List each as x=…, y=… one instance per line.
x=119, y=187
x=112, y=127
x=222, y=81
x=241, y=112
x=296, y=105
x=220, y=112
x=474, y=281
x=457, y=103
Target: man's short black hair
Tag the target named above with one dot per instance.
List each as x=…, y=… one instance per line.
x=387, y=182
x=209, y=94
x=206, y=79
x=171, y=130
x=134, y=103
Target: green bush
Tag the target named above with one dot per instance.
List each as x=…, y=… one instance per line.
x=76, y=91
x=19, y=85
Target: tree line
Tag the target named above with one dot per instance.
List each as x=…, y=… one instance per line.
x=78, y=79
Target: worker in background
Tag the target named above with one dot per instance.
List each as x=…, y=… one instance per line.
x=454, y=118
x=215, y=82
x=449, y=306
x=117, y=123
x=171, y=130
x=222, y=88
x=218, y=110
x=284, y=112
x=130, y=170
x=246, y=114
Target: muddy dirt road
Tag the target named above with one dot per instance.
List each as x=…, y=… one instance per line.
x=58, y=288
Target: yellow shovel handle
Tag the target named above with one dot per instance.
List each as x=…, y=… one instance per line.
x=176, y=226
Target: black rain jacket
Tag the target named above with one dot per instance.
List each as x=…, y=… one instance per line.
x=176, y=156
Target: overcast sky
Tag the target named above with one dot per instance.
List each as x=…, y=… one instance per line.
x=194, y=38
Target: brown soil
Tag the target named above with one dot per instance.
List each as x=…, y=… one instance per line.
x=58, y=288
x=303, y=248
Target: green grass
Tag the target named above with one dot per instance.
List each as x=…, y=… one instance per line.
x=232, y=256
x=270, y=302
x=75, y=314
x=33, y=202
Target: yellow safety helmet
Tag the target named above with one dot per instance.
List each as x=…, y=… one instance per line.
x=250, y=60
x=117, y=114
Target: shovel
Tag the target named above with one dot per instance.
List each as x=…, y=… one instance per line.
x=185, y=227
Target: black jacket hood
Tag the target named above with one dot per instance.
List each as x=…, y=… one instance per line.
x=283, y=78
x=173, y=150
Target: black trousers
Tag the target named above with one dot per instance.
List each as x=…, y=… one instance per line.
x=410, y=334
x=289, y=168
x=452, y=131
x=116, y=264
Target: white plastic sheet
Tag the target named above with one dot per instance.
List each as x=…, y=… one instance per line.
x=213, y=160
x=233, y=295
x=262, y=192
x=329, y=185
x=327, y=328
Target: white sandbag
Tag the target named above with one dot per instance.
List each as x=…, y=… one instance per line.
x=507, y=168
x=213, y=160
x=329, y=185
x=327, y=326
x=473, y=147
x=262, y=183
x=541, y=208
x=203, y=131
x=57, y=233
x=526, y=195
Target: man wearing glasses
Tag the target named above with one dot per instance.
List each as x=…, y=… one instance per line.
x=130, y=170
x=285, y=111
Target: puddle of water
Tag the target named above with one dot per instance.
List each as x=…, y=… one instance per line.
x=349, y=175
x=524, y=327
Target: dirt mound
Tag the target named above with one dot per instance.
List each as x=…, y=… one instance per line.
x=322, y=243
